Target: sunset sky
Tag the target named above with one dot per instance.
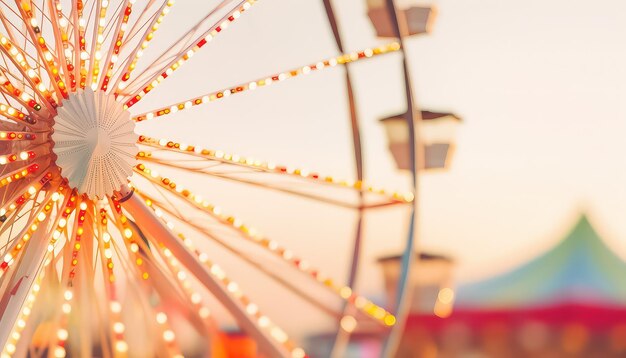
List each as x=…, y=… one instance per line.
x=540, y=87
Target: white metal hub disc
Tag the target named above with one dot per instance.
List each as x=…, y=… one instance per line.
x=94, y=141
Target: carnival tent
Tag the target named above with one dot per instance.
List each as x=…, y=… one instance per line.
x=580, y=269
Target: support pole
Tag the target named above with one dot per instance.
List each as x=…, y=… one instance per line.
x=160, y=234
x=343, y=337
x=413, y=118
x=356, y=141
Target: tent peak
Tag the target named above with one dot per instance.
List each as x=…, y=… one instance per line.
x=580, y=268
x=583, y=231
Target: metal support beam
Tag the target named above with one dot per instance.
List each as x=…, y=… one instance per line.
x=160, y=234
x=413, y=118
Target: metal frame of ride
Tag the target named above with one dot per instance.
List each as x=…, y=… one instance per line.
x=56, y=236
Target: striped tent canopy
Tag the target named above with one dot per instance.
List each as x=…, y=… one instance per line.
x=580, y=269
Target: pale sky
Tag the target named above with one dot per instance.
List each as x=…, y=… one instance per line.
x=539, y=85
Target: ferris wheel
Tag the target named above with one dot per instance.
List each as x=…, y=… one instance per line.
x=93, y=233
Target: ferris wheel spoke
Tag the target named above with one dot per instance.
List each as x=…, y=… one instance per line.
x=15, y=327
x=266, y=81
x=108, y=247
x=34, y=30
x=251, y=235
x=61, y=233
x=32, y=153
x=97, y=40
x=45, y=18
x=263, y=185
x=14, y=255
x=18, y=116
x=142, y=45
x=114, y=48
x=11, y=126
x=254, y=263
x=176, y=294
x=7, y=63
x=258, y=166
x=35, y=181
x=148, y=13
x=43, y=244
x=17, y=136
x=30, y=72
x=8, y=191
x=19, y=174
x=15, y=28
x=156, y=314
x=112, y=307
x=15, y=220
x=251, y=308
x=6, y=99
x=13, y=161
x=13, y=200
x=271, y=341
x=6, y=170
x=159, y=320
x=33, y=227
x=166, y=57
x=38, y=348
x=68, y=278
x=65, y=48
x=14, y=213
x=148, y=266
x=13, y=252
x=59, y=219
x=156, y=73
x=84, y=295
x=9, y=27
x=80, y=50
x=19, y=94
x=271, y=176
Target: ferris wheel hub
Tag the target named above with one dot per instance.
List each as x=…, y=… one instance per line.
x=94, y=141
